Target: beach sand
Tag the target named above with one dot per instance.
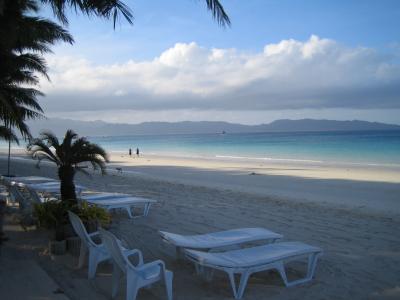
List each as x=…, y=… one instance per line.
x=353, y=218
x=368, y=188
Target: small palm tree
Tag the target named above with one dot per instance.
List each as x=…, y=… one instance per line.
x=68, y=156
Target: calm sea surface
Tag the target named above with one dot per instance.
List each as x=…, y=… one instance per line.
x=362, y=147
x=366, y=147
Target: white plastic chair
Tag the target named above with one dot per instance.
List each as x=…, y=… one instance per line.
x=97, y=252
x=141, y=275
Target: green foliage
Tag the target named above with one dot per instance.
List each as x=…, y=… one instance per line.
x=53, y=215
x=89, y=213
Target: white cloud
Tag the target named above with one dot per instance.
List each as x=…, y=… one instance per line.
x=317, y=73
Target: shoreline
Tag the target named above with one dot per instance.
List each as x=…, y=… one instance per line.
x=295, y=168
x=239, y=159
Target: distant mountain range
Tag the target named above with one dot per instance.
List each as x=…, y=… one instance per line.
x=100, y=128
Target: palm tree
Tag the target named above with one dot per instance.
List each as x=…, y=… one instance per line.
x=68, y=156
x=23, y=40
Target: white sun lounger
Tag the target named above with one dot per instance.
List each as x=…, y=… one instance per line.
x=51, y=187
x=220, y=239
x=26, y=179
x=122, y=202
x=247, y=261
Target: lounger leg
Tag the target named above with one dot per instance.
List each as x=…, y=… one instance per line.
x=147, y=209
x=168, y=276
x=199, y=269
x=208, y=274
x=205, y=272
x=116, y=277
x=128, y=210
x=244, y=277
x=312, y=262
x=281, y=269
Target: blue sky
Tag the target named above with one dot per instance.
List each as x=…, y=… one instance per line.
x=367, y=31
x=159, y=24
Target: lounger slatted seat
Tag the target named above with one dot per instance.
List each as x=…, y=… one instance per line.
x=218, y=239
x=247, y=261
x=104, y=196
x=125, y=202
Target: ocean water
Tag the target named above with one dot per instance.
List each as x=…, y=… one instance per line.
x=362, y=147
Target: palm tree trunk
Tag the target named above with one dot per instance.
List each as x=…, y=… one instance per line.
x=66, y=175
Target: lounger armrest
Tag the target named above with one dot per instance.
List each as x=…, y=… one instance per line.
x=128, y=253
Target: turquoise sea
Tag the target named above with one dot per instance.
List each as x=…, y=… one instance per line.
x=362, y=147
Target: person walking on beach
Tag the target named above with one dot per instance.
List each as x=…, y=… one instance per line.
x=130, y=152
x=137, y=152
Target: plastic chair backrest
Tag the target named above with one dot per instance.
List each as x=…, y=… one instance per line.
x=114, y=248
x=80, y=229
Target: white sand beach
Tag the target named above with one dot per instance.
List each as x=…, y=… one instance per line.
x=352, y=214
x=357, y=187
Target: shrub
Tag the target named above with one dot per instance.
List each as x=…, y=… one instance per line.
x=53, y=215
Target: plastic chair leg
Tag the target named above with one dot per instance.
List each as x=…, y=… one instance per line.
x=116, y=277
x=93, y=262
x=132, y=287
x=82, y=254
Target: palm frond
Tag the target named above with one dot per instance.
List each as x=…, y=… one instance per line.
x=100, y=8
x=40, y=148
x=8, y=135
x=218, y=12
x=50, y=139
x=41, y=35
x=42, y=152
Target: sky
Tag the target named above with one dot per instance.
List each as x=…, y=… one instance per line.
x=279, y=60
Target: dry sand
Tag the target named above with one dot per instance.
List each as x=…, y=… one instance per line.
x=359, y=235
x=370, y=188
